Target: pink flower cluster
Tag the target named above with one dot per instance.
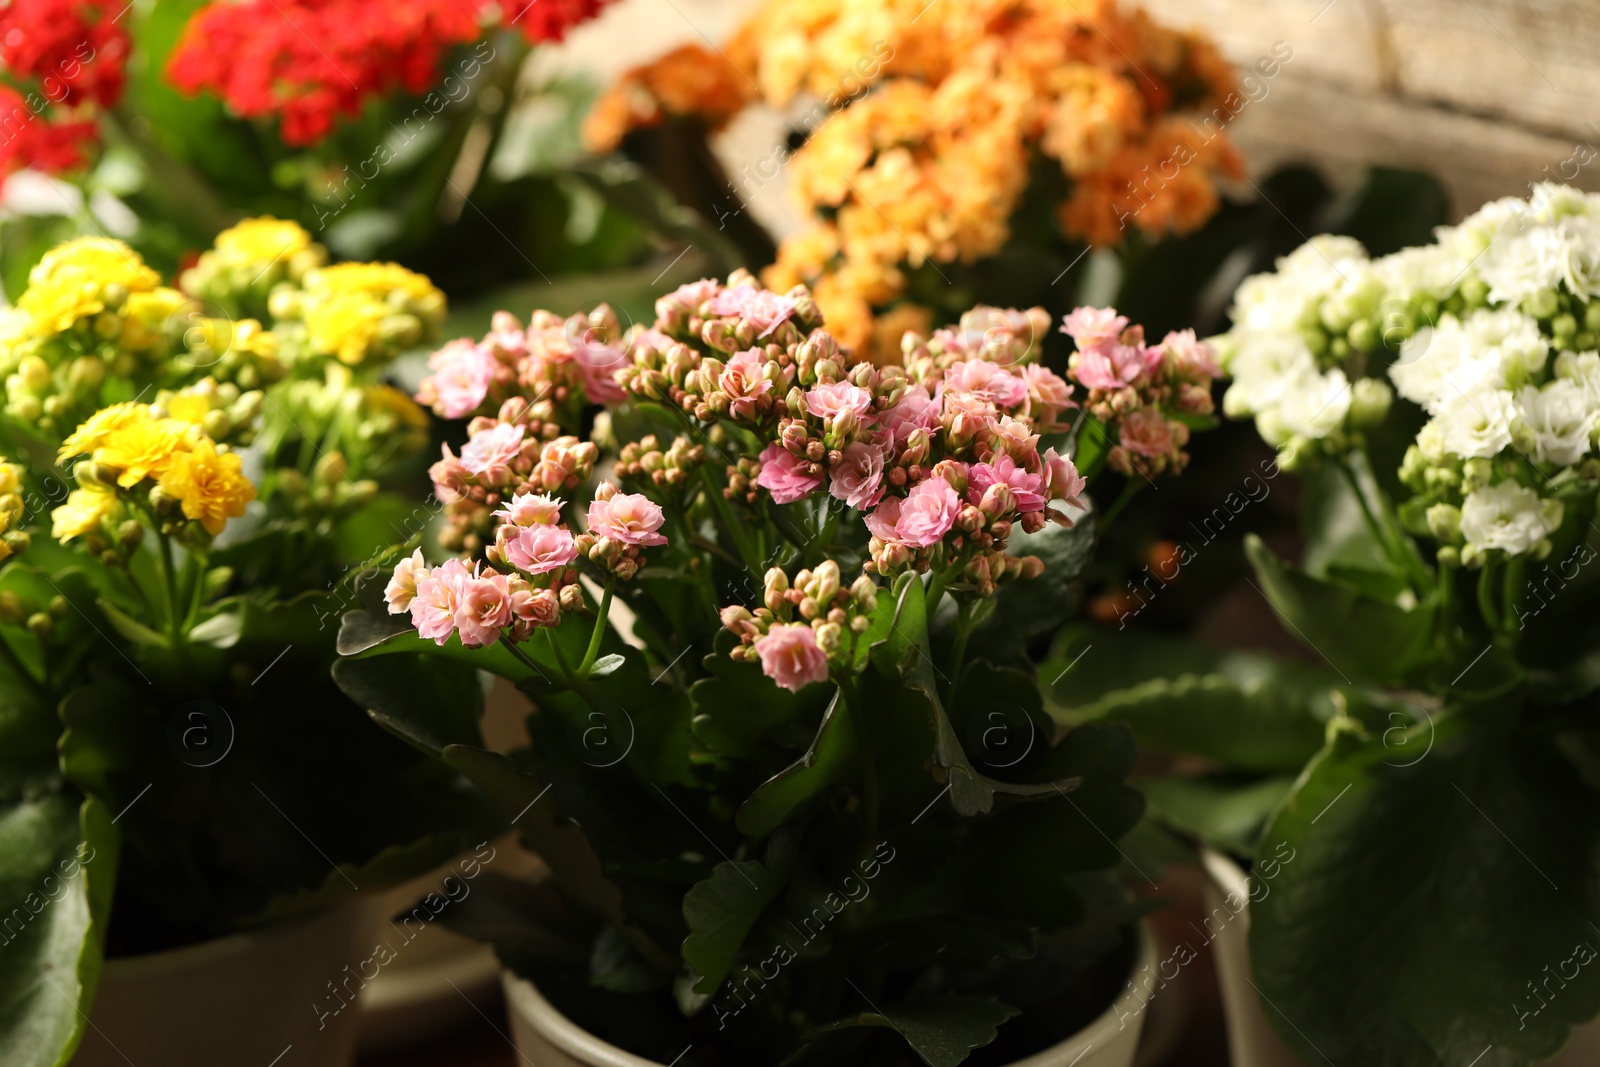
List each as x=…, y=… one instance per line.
x=557, y=365
x=501, y=460
x=1139, y=393
x=803, y=628
x=477, y=602
x=620, y=526
x=531, y=574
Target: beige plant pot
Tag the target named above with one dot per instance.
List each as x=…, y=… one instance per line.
x=264, y=997
x=1252, y=1041
x=546, y=1038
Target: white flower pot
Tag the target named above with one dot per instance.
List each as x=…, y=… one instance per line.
x=261, y=997
x=547, y=1038
x=1252, y=1041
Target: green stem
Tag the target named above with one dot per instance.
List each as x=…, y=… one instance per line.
x=1130, y=489
x=1491, y=617
x=599, y=632
x=958, y=653
x=1512, y=593
x=729, y=522
x=561, y=658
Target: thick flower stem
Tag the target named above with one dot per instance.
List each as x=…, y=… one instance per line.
x=599, y=632
x=1491, y=617
x=1512, y=593
x=958, y=652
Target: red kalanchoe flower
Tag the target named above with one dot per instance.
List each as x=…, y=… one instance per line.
x=310, y=61
x=74, y=50
x=27, y=139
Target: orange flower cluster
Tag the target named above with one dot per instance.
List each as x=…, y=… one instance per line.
x=930, y=164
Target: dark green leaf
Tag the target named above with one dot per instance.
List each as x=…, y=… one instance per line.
x=942, y=1030
x=1361, y=637
x=721, y=909
x=1225, y=813
x=1437, y=913
x=58, y=864
x=830, y=761
x=429, y=703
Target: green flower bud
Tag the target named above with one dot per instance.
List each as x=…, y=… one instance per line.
x=1370, y=399
x=1444, y=523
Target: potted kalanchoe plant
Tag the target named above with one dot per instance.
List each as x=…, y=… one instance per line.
x=1420, y=804
x=191, y=480
x=774, y=605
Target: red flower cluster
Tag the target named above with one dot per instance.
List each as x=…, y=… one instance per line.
x=308, y=61
x=64, y=57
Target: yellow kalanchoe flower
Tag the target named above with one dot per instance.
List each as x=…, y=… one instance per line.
x=11, y=504
x=209, y=485
x=82, y=278
x=84, y=510
x=346, y=325
x=263, y=240
x=130, y=441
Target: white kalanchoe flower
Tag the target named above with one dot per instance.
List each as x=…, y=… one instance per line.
x=1508, y=517
x=1555, y=422
x=1477, y=424
x=1583, y=368
x=1315, y=406
x=1264, y=368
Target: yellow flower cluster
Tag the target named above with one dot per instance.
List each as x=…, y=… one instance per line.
x=11, y=506
x=80, y=279
x=357, y=312
x=251, y=259
x=931, y=117
x=130, y=443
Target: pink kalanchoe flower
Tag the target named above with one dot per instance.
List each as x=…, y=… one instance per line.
x=433, y=610
x=506, y=335
x=690, y=296
x=993, y=383
x=1048, y=394
x=786, y=476
x=536, y=607
x=857, y=479
x=741, y=379
x=531, y=509
x=791, y=657
x=1091, y=327
x=1190, y=357
x=1029, y=489
x=1062, y=481
x=537, y=549
x=462, y=375
x=450, y=478
x=1015, y=437
x=490, y=452
x=598, y=364
x=483, y=608
x=1146, y=432
x=916, y=410
x=630, y=518
x=762, y=308
x=1114, y=365
x=919, y=519
x=828, y=401
x=402, y=587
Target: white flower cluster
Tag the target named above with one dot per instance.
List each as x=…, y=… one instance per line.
x=1494, y=331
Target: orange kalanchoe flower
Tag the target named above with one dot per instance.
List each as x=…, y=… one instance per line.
x=930, y=118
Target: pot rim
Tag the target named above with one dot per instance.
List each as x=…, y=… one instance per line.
x=524, y=998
